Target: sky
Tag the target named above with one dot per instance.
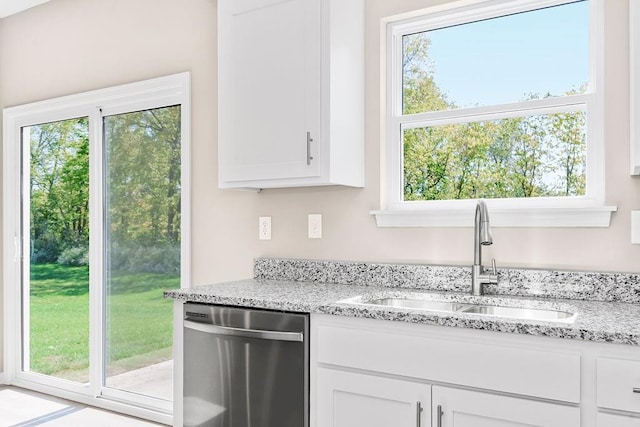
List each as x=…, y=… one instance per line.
x=503, y=59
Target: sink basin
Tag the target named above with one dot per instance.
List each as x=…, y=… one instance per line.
x=521, y=309
x=520, y=312
x=420, y=304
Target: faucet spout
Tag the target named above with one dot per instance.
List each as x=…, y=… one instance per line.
x=482, y=231
x=482, y=237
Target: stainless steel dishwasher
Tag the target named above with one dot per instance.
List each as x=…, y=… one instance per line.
x=245, y=367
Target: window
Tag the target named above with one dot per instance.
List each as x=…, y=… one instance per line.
x=497, y=100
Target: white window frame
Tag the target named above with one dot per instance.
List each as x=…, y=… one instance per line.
x=584, y=211
x=154, y=93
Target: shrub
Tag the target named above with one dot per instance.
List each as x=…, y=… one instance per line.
x=76, y=256
x=146, y=259
x=138, y=259
x=45, y=249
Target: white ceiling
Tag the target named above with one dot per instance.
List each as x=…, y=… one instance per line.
x=9, y=7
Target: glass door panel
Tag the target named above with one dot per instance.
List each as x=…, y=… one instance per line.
x=55, y=269
x=142, y=248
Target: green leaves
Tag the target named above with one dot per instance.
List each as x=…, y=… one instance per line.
x=531, y=156
x=143, y=168
x=59, y=184
x=143, y=177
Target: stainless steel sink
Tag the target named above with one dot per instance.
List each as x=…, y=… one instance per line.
x=520, y=312
x=419, y=304
x=536, y=311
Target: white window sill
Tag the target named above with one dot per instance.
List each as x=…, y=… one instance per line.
x=591, y=216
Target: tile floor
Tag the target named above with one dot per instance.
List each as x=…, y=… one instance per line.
x=25, y=408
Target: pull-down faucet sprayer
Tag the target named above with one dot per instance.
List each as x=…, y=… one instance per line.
x=482, y=236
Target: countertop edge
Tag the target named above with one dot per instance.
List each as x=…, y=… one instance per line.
x=214, y=294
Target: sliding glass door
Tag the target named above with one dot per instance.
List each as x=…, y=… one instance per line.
x=142, y=247
x=55, y=287
x=97, y=222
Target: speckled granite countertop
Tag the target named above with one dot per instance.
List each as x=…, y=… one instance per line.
x=612, y=322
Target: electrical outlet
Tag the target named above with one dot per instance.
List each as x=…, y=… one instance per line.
x=635, y=227
x=264, y=228
x=315, y=226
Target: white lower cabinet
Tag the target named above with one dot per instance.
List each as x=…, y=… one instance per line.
x=374, y=373
x=613, y=420
x=347, y=399
x=464, y=408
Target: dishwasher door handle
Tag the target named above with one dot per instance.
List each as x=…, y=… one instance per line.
x=245, y=333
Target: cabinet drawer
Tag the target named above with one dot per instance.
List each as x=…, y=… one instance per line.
x=482, y=364
x=617, y=380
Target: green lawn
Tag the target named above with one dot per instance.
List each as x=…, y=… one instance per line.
x=139, y=320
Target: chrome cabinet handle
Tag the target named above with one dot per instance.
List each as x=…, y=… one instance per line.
x=636, y=389
x=246, y=333
x=439, y=415
x=16, y=249
x=418, y=414
x=309, y=141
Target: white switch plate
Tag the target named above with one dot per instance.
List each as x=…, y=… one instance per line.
x=264, y=228
x=635, y=227
x=315, y=226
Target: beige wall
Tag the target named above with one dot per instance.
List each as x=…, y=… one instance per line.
x=69, y=46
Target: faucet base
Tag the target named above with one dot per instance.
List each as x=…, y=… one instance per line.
x=478, y=279
x=476, y=283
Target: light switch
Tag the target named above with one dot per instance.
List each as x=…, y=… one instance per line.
x=635, y=227
x=315, y=226
x=264, y=228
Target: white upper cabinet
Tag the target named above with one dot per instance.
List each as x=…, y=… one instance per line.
x=290, y=93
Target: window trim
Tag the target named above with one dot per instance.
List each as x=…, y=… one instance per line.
x=584, y=211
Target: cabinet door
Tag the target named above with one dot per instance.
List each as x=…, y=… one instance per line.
x=268, y=88
x=611, y=420
x=347, y=399
x=617, y=382
x=463, y=408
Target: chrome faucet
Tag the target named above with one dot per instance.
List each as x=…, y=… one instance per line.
x=482, y=236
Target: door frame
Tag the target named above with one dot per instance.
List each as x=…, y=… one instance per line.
x=154, y=93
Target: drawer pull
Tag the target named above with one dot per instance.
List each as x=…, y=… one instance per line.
x=636, y=389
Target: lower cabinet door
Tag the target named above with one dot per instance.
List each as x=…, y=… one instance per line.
x=463, y=408
x=347, y=399
x=611, y=420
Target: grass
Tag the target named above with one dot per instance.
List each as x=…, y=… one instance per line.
x=139, y=320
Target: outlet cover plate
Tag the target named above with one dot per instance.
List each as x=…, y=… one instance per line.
x=635, y=227
x=315, y=226
x=264, y=228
